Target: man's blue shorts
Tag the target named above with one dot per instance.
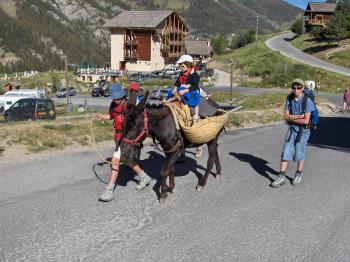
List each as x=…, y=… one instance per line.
x=291, y=149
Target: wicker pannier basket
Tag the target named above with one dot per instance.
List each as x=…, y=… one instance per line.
x=206, y=129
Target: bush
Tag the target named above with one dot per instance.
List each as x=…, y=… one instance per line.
x=298, y=27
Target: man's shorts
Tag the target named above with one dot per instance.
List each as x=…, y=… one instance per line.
x=298, y=150
x=117, y=151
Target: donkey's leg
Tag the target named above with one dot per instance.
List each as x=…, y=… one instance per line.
x=217, y=162
x=167, y=170
x=164, y=172
x=210, y=163
x=172, y=170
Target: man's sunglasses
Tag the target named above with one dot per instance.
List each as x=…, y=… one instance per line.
x=297, y=87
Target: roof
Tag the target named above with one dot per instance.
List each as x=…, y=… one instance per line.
x=138, y=19
x=196, y=47
x=15, y=83
x=321, y=7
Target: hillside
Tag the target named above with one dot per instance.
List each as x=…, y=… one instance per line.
x=36, y=34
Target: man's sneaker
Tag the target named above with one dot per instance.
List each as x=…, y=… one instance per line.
x=199, y=152
x=281, y=179
x=144, y=180
x=297, y=179
x=107, y=195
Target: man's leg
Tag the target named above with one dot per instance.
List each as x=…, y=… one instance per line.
x=298, y=174
x=143, y=178
x=199, y=151
x=300, y=153
x=107, y=194
x=287, y=153
x=195, y=117
x=281, y=179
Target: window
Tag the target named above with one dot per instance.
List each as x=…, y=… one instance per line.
x=50, y=105
x=21, y=104
x=41, y=106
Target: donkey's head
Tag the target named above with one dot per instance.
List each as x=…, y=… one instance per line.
x=135, y=128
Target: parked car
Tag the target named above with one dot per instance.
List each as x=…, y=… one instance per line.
x=63, y=92
x=31, y=109
x=172, y=71
x=97, y=91
x=157, y=74
x=159, y=94
x=72, y=91
x=138, y=77
x=6, y=101
x=106, y=90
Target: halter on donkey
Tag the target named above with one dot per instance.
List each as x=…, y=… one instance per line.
x=142, y=121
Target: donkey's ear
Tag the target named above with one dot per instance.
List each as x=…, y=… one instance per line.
x=132, y=98
x=143, y=100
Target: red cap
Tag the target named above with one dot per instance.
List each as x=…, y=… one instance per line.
x=134, y=86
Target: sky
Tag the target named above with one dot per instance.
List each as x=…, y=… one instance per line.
x=302, y=3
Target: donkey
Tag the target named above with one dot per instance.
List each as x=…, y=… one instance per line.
x=157, y=122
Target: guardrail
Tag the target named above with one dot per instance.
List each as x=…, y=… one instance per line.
x=337, y=50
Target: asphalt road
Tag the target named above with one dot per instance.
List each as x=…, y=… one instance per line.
x=49, y=209
x=102, y=103
x=280, y=43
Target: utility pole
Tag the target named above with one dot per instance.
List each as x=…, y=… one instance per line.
x=69, y=106
x=257, y=28
x=231, y=83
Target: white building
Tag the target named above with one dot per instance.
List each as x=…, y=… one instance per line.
x=146, y=40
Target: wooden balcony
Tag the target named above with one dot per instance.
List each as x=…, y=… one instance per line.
x=132, y=42
x=131, y=56
x=319, y=22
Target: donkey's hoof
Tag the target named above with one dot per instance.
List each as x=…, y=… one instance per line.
x=218, y=176
x=199, y=188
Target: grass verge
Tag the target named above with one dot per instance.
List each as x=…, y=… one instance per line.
x=74, y=129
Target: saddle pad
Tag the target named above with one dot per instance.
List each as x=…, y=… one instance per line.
x=181, y=114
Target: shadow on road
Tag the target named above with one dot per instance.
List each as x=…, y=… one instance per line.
x=289, y=39
x=102, y=172
x=333, y=133
x=153, y=164
x=258, y=164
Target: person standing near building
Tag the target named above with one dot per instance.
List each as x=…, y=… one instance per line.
x=116, y=113
x=346, y=100
x=297, y=116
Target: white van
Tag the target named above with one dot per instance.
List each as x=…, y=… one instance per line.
x=6, y=101
x=34, y=93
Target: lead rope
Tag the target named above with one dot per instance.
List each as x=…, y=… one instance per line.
x=95, y=145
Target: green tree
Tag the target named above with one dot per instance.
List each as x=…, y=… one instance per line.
x=219, y=44
x=54, y=80
x=298, y=27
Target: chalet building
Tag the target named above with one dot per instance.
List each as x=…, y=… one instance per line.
x=318, y=14
x=11, y=86
x=201, y=51
x=146, y=40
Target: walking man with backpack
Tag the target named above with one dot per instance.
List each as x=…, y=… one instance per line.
x=298, y=109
